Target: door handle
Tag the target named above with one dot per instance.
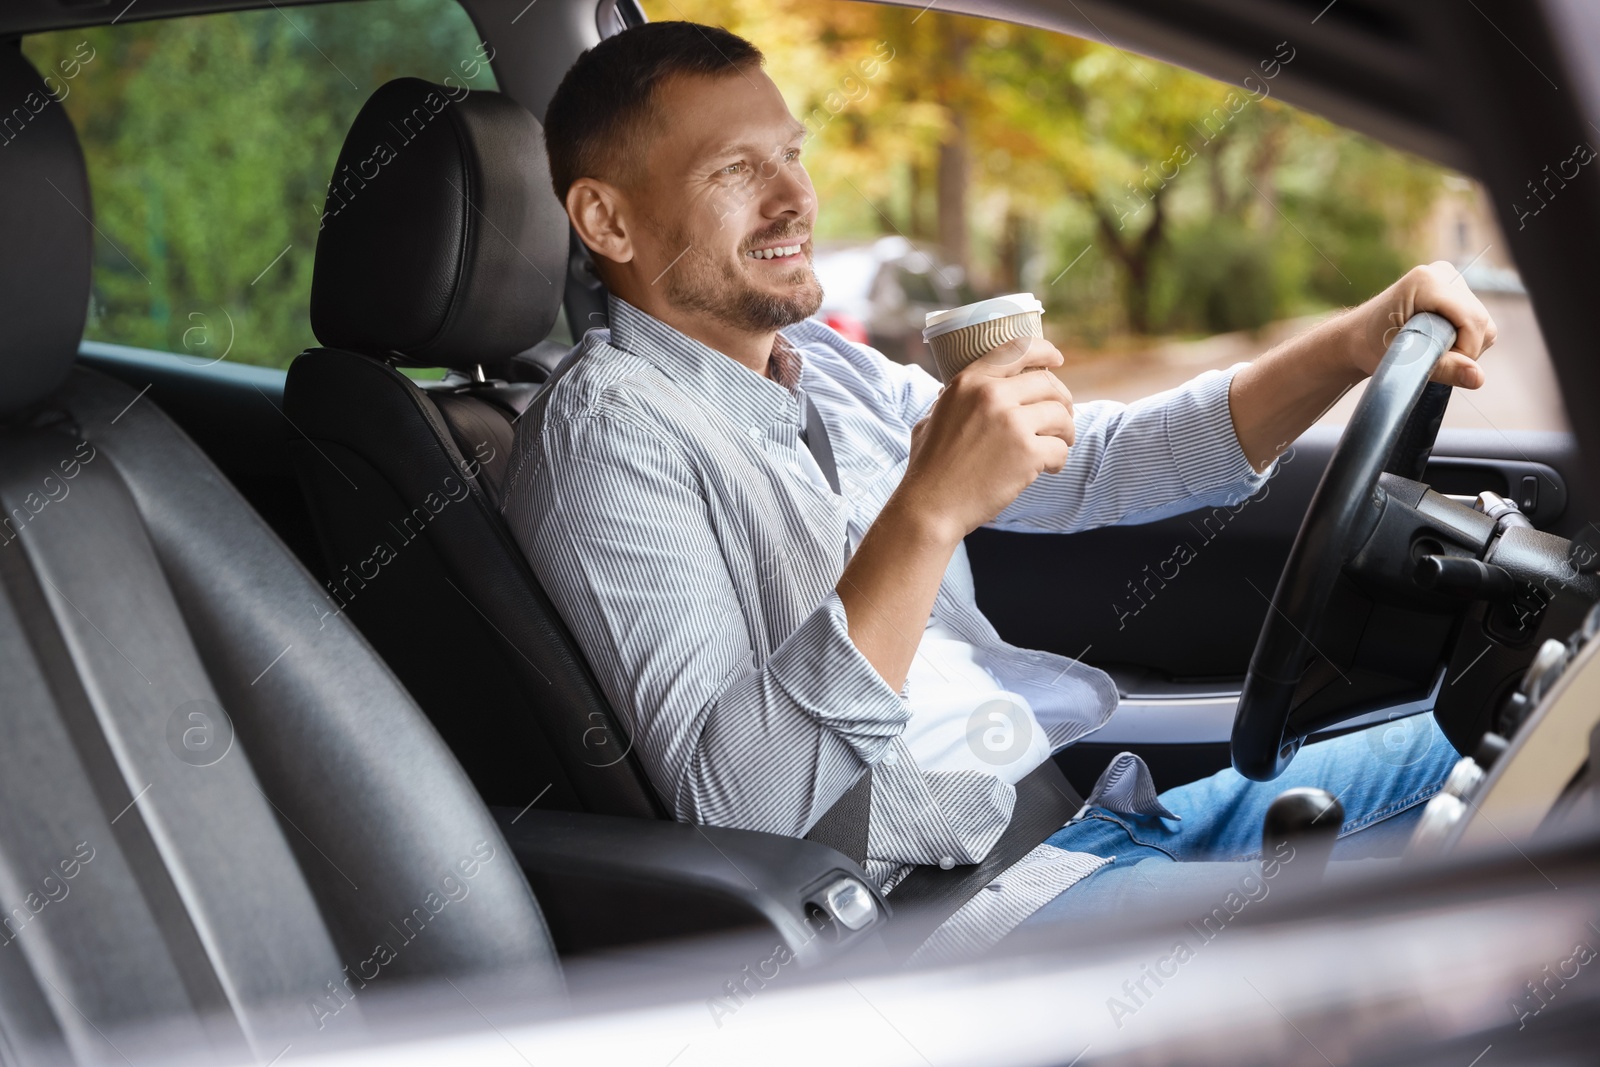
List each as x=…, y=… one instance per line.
x=1538, y=489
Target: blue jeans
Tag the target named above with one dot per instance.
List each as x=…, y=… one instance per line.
x=1382, y=774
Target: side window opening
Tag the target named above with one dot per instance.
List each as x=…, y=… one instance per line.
x=1168, y=222
x=209, y=142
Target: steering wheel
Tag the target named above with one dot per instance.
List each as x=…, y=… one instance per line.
x=1394, y=427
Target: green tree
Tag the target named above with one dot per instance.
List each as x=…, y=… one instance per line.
x=210, y=141
x=1193, y=204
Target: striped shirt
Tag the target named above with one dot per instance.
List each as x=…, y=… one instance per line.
x=664, y=498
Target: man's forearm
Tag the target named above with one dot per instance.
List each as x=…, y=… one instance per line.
x=889, y=586
x=991, y=432
x=1276, y=398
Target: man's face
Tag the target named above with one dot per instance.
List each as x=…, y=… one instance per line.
x=726, y=206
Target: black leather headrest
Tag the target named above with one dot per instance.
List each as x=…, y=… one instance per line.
x=441, y=242
x=46, y=239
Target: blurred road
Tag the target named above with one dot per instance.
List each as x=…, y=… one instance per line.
x=1520, y=393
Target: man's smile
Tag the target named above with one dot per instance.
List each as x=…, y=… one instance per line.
x=783, y=252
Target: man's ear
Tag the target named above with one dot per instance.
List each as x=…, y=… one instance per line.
x=598, y=212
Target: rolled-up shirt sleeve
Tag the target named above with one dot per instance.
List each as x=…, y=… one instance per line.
x=1164, y=455
x=619, y=530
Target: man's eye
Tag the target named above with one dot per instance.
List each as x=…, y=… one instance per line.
x=731, y=169
x=791, y=155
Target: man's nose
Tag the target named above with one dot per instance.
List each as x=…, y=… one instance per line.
x=788, y=191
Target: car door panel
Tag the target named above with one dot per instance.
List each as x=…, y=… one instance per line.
x=1183, y=598
x=1172, y=608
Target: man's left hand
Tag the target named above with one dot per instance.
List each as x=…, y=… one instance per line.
x=1439, y=288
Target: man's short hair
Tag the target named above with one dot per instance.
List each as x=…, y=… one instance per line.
x=595, y=123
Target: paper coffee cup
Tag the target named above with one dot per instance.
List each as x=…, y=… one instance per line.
x=960, y=335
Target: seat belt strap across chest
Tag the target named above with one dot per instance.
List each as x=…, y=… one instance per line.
x=929, y=895
x=815, y=438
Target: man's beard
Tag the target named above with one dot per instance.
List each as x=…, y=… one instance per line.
x=714, y=287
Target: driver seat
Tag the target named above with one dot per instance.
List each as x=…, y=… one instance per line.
x=453, y=255
x=222, y=819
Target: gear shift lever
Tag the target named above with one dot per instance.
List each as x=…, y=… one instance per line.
x=1308, y=820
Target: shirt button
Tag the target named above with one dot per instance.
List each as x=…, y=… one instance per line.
x=755, y=431
x=946, y=862
x=890, y=758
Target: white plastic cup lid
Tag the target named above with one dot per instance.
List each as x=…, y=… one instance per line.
x=999, y=307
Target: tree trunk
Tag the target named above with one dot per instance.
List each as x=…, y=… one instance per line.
x=1221, y=202
x=1263, y=169
x=918, y=215
x=1013, y=251
x=1136, y=257
x=953, y=192
x=952, y=161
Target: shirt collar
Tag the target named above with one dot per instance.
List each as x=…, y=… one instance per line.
x=725, y=383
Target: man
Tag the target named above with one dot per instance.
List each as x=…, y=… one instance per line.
x=767, y=638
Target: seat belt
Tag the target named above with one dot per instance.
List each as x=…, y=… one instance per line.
x=929, y=895
x=815, y=438
x=843, y=827
x=814, y=435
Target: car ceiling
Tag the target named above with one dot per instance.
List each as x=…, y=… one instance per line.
x=1494, y=88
